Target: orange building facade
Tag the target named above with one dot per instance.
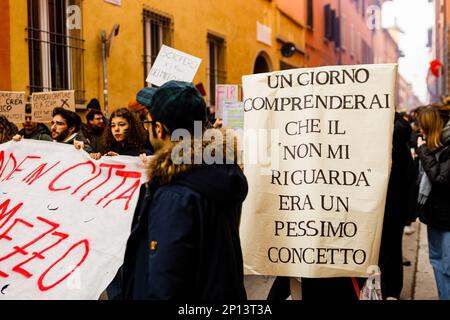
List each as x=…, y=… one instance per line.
x=5, y=57
x=347, y=32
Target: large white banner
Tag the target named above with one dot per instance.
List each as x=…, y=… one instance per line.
x=318, y=183
x=64, y=219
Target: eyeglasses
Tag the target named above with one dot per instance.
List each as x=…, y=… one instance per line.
x=147, y=124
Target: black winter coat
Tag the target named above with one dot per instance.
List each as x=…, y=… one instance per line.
x=42, y=132
x=185, y=238
x=436, y=211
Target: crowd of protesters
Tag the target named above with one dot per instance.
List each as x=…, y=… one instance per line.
x=184, y=242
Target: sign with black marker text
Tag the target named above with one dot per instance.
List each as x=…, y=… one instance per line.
x=316, y=202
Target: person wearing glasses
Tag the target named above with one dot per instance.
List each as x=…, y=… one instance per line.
x=184, y=242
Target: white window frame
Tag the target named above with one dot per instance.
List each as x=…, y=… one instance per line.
x=148, y=44
x=46, y=64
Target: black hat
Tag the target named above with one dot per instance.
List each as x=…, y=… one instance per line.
x=177, y=104
x=94, y=104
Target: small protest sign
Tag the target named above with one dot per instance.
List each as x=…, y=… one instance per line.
x=12, y=106
x=64, y=219
x=317, y=191
x=172, y=64
x=233, y=115
x=225, y=92
x=43, y=103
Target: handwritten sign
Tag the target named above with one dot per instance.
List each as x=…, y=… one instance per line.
x=64, y=219
x=12, y=106
x=233, y=115
x=225, y=93
x=43, y=103
x=317, y=195
x=172, y=64
x=115, y=2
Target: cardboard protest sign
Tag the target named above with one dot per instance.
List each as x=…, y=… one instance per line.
x=43, y=103
x=317, y=193
x=225, y=93
x=64, y=219
x=12, y=106
x=172, y=64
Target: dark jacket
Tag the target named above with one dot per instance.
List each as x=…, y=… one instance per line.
x=93, y=137
x=128, y=151
x=185, y=238
x=436, y=211
x=80, y=137
x=396, y=210
x=40, y=133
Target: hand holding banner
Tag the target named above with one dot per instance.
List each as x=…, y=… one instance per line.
x=64, y=219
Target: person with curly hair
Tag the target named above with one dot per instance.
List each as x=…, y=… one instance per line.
x=123, y=136
x=7, y=129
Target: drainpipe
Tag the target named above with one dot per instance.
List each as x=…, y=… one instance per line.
x=340, y=26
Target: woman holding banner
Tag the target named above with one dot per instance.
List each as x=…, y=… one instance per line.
x=124, y=135
x=434, y=154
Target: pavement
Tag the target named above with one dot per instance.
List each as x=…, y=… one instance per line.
x=418, y=277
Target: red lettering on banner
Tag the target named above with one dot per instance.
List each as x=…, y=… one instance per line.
x=87, y=182
x=16, y=249
x=43, y=287
x=38, y=173
x=21, y=249
x=19, y=268
x=7, y=214
x=4, y=235
x=104, y=165
x=125, y=175
x=51, y=185
x=18, y=168
x=36, y=255
x=2, y=160
x=124, y=195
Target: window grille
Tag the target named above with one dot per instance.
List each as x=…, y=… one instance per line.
x=55, y=52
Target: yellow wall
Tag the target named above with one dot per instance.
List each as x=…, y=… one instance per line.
x=234, y=20
x=19, y=46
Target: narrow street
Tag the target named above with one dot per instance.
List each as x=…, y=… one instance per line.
x=418, y=278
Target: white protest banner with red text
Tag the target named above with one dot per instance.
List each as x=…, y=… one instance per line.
x=316, y=197
x=64, y=219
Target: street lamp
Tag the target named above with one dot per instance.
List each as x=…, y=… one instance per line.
x=106, y=46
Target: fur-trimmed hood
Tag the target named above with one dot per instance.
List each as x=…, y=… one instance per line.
x=209, y=166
